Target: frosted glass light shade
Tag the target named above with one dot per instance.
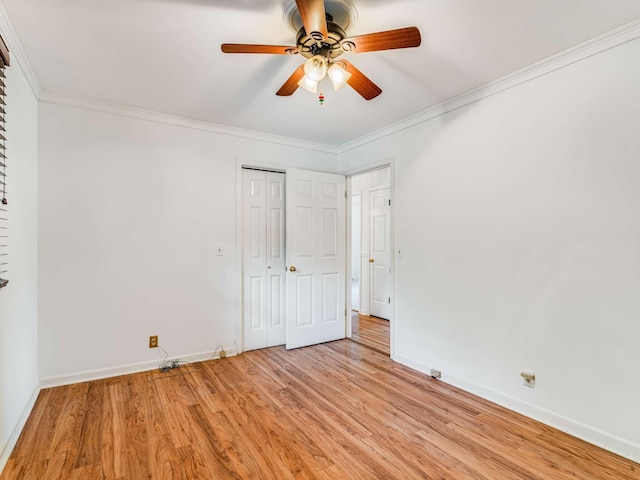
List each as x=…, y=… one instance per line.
x=316, y=68
x=338, y=75
x=308, y=84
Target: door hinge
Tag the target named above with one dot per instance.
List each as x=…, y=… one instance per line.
x=389, y=299
x=389, y=202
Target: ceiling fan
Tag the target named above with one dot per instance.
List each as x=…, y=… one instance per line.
x=322, y=42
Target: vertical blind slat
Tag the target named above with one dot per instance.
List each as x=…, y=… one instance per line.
x=4, y=209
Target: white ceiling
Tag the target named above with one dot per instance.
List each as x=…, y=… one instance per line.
x=164, y=55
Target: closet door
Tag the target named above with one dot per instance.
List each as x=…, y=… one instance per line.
x=254, y=258
x=316, y=244
x=275, y=274
x=263, y=258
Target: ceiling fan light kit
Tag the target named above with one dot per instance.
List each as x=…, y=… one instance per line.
x=338, y=76
x=321, y=41
x=308, y=84
x=315, y=68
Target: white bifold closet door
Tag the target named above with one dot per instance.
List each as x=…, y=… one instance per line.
x=316, y=244
x=263, y=233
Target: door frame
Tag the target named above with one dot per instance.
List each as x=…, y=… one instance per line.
x=370, y=167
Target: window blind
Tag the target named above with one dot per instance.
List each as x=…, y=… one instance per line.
x=4, y=202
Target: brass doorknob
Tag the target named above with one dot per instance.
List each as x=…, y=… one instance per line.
x=371, y=260
x=292, y=268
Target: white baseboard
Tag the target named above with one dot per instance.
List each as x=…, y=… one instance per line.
x=7, y=447
x=602, y=439
x=99, y=374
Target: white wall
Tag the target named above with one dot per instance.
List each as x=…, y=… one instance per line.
x=18, y=300
x=131, y=213
x=518, y=218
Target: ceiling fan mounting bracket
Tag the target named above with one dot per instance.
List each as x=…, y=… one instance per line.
x=340, y=12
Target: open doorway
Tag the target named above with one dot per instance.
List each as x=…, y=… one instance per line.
x=371, y=258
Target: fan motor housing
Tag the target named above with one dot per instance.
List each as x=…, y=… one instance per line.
x=332, y=46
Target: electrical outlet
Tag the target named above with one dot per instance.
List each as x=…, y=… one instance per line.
x=223, y=353
x=528, y=379
x=436, y=373
x=153, y=341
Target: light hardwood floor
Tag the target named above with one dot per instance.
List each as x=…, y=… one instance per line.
x=370, y=331
x=333, y=411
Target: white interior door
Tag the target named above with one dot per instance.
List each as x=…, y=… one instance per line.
x=276, y=258
x=380, y=253
x=263, y=217
x=316, y=256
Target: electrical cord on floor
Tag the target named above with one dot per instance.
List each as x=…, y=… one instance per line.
x=165, y=365
x=222, y=352
x=213, y=355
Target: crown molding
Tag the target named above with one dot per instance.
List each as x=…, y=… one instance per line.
x=563, y=59
x=48, y=96
x=17, y=52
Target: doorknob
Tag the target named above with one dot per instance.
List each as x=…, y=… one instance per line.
x=371, y=260
x=292, y=268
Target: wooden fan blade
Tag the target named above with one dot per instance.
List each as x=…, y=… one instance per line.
x=401, y=38
x=291, y=85
x=314, y=18
x=360, y=82
x=248, y=48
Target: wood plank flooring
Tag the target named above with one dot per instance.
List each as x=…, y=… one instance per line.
x=333, y=411
x=372, y=332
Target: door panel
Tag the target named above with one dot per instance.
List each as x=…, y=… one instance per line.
x=303, y=232
x=263, y=258
x=379, y=284
x=275, y=247
x=304, y=300
x=316, y=245
x=256, y=297
x=276, y=230
x=329, y=230
x=275, y=313
x=254, y=258
x=330, y=298
x=380, y=253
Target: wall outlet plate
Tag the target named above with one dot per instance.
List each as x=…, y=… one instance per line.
x=528, y=378
x=153, y=341
x=436, y=373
